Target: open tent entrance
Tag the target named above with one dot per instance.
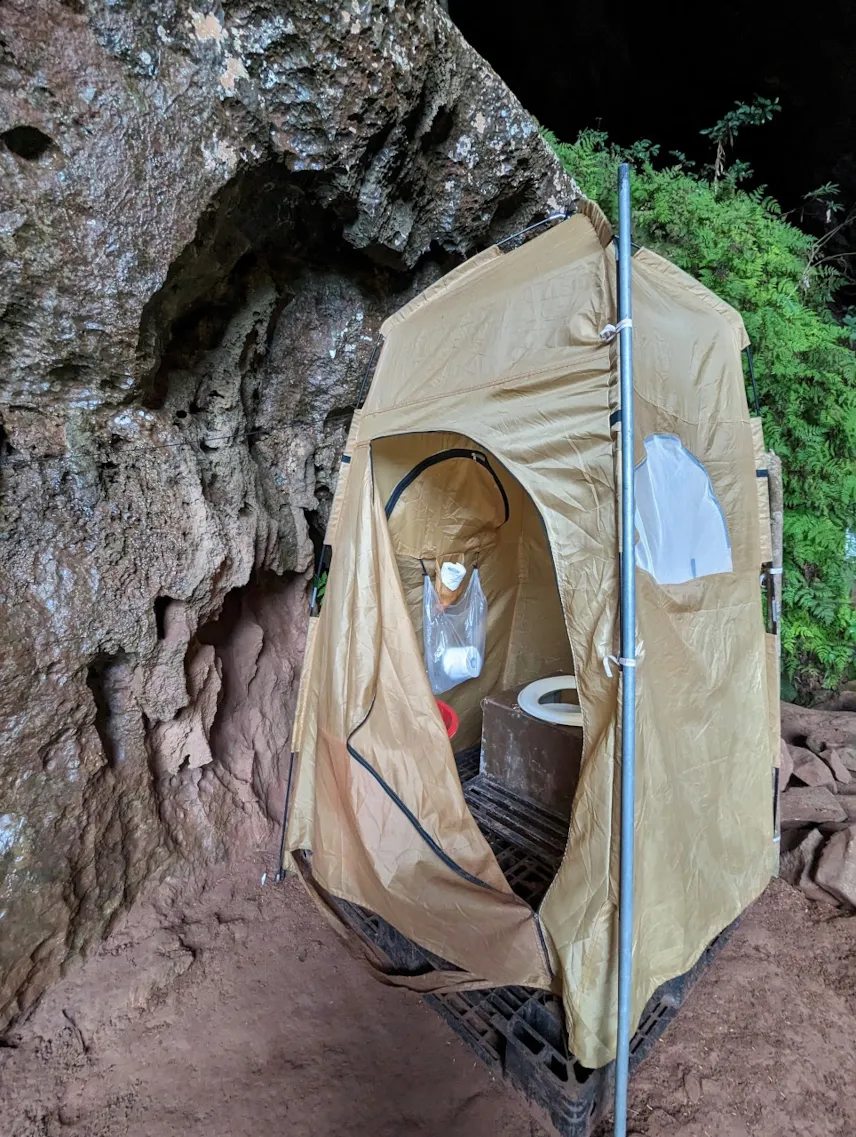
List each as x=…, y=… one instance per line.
x=447, y=499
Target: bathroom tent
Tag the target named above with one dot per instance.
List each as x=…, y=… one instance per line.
x=489, y=437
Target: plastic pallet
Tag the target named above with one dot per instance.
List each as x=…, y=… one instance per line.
x=468, y=762
x=519, y=1032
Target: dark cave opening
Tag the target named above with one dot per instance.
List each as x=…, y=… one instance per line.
x=27, y=142
x=106, y=678
x=161, y=605
x=638, y=72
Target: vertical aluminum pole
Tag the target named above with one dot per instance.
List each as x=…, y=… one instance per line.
x=628, y=656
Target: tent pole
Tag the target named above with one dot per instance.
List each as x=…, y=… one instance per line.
x=628, y=656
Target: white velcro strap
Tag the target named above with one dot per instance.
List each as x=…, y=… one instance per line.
x=609, y=333
x=619, y=661
x=775, y=571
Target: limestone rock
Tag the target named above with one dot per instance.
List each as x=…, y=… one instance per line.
x=848, y=804
x=832, y=758
x=847, y=758
x=183, y=742
x=810, y=770
x=786, y=765
x=836, y=867
x=810, y=806
x=845, y=700
x=817, y=728
x=800, y=754
x=206, y=215
x=792, y=863
x=797, y=866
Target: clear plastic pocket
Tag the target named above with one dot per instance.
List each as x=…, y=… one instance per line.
x=455, y=635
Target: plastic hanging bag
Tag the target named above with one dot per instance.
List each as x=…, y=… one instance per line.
x=455, y=635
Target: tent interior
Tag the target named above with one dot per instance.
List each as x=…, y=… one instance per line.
x=447, y=499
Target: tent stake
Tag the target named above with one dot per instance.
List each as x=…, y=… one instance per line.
x=628, y=656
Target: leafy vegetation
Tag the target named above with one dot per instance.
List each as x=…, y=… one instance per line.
x=739, y=243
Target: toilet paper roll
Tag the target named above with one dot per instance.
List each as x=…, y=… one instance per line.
x=460, y=663
x=451, y=575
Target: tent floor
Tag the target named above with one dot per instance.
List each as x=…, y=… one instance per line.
x=527, y=840
x=519, y=1032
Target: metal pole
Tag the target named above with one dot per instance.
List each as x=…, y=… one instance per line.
x=628, y=655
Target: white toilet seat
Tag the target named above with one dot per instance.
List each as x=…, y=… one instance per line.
x=566, y=714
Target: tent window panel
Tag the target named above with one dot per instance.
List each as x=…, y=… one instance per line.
x=681, y=529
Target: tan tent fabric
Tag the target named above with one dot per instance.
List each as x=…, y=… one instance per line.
x=765, y=524
x=505, y=356
x=763, y=491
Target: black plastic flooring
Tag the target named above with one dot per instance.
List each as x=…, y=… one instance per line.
x=519, y=1032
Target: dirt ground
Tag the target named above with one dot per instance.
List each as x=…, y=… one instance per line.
x=239, y=1014
x=765, y=1045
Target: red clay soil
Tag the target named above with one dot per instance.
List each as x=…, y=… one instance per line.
x=238, y=1014
x=765, y=1045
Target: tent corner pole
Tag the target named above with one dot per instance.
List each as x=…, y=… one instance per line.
x=628, y=656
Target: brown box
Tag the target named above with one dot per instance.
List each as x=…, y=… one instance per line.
x=539, y=760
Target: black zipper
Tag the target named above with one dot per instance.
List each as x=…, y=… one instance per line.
x=414, y=821
x=478, y=456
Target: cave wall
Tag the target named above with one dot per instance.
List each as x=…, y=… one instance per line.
x=205, y=213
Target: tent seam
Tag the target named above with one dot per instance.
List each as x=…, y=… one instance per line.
x=514, y=377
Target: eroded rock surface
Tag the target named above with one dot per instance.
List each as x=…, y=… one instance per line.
x=205, y=213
